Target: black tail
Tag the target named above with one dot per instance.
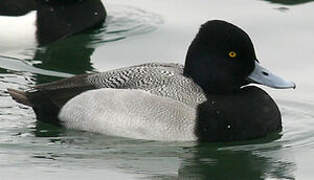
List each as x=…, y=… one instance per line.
x=47, y=102
x=45, y=109
x=19, y=96
x=47, y=99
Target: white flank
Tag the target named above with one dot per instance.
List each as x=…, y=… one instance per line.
x=130, y=113
x=18, y=32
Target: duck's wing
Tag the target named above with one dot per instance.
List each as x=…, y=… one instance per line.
x=47, y=99
x=144, y=76
x=57, y=93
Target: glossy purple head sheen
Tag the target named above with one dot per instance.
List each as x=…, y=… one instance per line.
x=208, y=61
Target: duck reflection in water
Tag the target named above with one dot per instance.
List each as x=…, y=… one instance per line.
x=71, y=55
x=251, y=161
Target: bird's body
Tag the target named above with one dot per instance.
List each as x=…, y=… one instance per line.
x=18, y=32
x=29, y=23
x=206, y=99
x=142, y=115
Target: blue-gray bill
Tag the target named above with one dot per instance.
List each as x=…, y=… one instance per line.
x=263, y=76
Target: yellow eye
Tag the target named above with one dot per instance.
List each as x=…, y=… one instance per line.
x=232, y=54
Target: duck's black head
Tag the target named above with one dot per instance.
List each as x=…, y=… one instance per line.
x=220, y=57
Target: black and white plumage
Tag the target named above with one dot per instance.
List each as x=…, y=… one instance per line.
x=39, y=22
x=135, y=113
x=207, y=99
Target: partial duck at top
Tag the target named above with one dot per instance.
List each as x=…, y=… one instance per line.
x=209, y=98
x=44, y=21
x=289, y=2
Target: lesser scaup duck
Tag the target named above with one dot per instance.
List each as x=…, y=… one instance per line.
x=44, y=21
x=207, y=99
x=250, y=113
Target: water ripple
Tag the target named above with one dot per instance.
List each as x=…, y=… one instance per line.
x=125, y=21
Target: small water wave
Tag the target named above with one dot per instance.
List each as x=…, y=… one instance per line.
x=10, y=112
x=126, y=21
x=16, y=66
x=298, y=123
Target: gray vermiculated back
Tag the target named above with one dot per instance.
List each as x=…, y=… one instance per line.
x=160, y=79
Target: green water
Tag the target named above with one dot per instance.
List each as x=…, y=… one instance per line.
x=140, y=31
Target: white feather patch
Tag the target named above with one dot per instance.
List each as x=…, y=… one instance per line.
x=18, y=32
x=130, y=113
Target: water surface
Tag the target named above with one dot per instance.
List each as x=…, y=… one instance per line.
x=140, y=31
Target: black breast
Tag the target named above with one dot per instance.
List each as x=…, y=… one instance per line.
x=250, y=113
